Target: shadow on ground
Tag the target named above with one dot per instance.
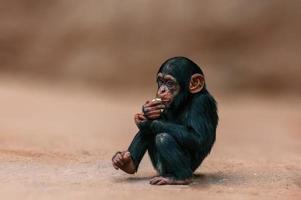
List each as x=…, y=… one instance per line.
x=200, y=180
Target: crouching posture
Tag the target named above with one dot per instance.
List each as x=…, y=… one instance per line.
x=177, y=128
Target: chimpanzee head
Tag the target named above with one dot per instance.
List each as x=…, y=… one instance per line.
x=178, y=79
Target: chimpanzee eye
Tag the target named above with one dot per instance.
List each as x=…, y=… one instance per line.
x=160, y=82
x=169, y=84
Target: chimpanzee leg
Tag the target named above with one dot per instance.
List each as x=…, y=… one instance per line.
x=175, y=160
x=155, y=157
x=139, y=146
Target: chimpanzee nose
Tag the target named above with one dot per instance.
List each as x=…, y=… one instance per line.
x=161, y=92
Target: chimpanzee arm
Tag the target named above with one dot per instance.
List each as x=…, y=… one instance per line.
x=187, y=137
x=138, y=147
x=144, y=127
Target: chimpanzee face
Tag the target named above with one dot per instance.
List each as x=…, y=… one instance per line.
x=179, y=79
x=168, y=88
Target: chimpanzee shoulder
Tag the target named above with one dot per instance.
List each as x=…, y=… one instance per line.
x=202, y=114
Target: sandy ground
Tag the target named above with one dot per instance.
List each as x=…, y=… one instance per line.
x=56, y=143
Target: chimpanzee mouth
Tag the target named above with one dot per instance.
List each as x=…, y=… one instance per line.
x=166, y=101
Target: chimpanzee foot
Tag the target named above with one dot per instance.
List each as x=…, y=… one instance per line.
x=160, y=180
x=123, y=161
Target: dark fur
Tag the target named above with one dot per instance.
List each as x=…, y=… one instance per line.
x=179, y=141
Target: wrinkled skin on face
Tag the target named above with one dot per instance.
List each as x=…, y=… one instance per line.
x=168, y=88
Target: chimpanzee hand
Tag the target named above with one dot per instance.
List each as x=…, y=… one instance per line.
x=153, y=109
x=122, y=160
x=142, y=122
x=139, y=118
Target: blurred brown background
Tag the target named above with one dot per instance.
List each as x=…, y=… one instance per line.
x=241, y=44
x=74, y=72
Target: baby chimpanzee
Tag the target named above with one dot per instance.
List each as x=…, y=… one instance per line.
x=177, y=128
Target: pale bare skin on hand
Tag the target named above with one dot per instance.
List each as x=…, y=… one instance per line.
x=139, y=118
x=153, y=109
x=123, y=161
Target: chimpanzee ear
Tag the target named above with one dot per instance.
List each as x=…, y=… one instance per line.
x=197, y=83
